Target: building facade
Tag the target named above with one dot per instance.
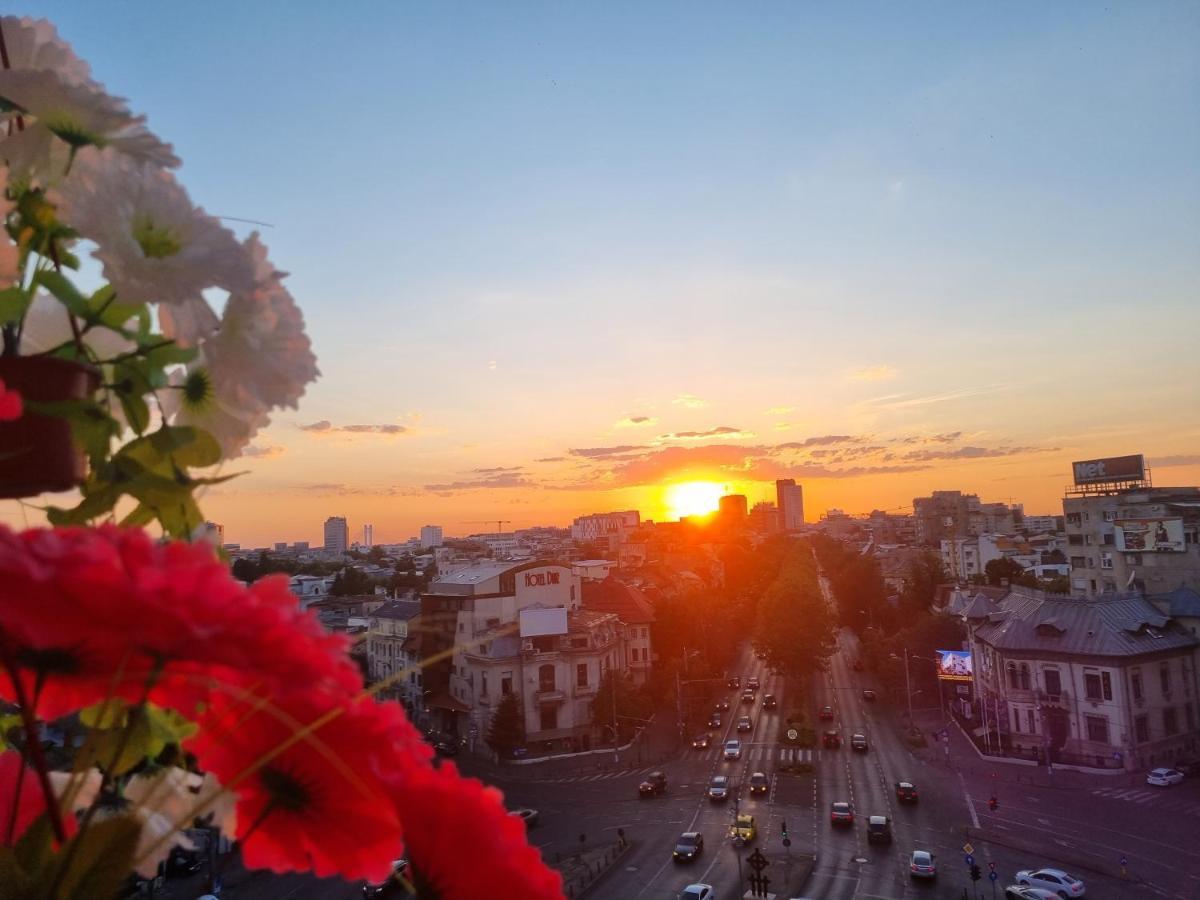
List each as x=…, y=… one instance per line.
x=368, y=535
x=337, y=534
x=789, y=499
x=431, y=536
x=391, y=656
x=611, y=528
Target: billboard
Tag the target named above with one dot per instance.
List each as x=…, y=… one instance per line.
x=954, y=665
x=1109, y=469
x=1149, y=535
x=538, y=621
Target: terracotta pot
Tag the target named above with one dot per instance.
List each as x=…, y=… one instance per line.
x=37, y=453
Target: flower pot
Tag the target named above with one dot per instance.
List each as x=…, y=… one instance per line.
x=37, y=452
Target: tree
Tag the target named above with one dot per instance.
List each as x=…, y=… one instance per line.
x=507, y=731
x=632, y=705
x=925, y=573
x=351, y=582
x=795, y=626
x=997, y=571
x=375, y=555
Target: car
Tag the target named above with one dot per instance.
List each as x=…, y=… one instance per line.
x=743, y=829
x=747, y=696
x=526, y=815
x=922, y=865
x=869, y=696
x=733, y=749
x=769, y=701
x=841, y=813
x=698, y=892
x=744, y=724
x=718, y=788
x=688, y=847
x=1188, y=767
x=735, y=681
x=831, y=740
x=826, y=714
x=879, y=830
x=447, y=747
x=1054, y=880
x=654, y=785
x=1164, y=777
x=906, y=792
x=701, y=741
x=392, y=887
x=759, y=783
x=1018, y=892
x=760, y=654
x=721, y=706
x=752, y=683
x=858, y=742
x=714, y=721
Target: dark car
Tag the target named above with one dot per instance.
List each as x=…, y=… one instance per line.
x=689, y=846
x=654, y=785
x=744, y=724
x=393, y=887
x=841, y=814
x=1189, y=767
x=447, y=747
x=769, y=701
x=826, y=714
x=752, y=683
x=701, y=741
x=182, y=863
x=721, y=705
x=735, y=681
x=879, y=830
x=714, y=721
x=718, y=788
x=747, y=696
x=858, y=742
x=906, y=792
x=831, y=740
x=869, y=696
x=759, y=783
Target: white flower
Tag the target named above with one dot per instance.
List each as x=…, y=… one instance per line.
x=79, y=790
x=60, y=118
x=35, y=44
x=231, y=415
x=155, y=246
x=165, y=803
x=187, y=322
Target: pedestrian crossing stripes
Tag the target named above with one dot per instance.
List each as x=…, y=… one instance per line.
x=781, y=757
x=1158, y=796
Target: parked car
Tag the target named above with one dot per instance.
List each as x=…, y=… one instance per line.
x=654, y=785
x=1164, y=777
x=689, y=846
x=869, y=696
x=831, y=740
x=841, y=813
x=747, y=696
x=1017, y=892
x=906, y=792
x=733, y=749
x=735, y=681
x=1054, y=880
x=743, y=827
x=526, y=815
x=769, y=701
x=714, y=721
x=858, y=742
x=879, y=830
x=922, y=865
x=698, y=892
x=392, y=887
x=447, y=747
x=759, y=783
x=744, y=724
x=701, y=741
x=826, y=714
x=752, y=683
x=718, y=788
x=1189, y=767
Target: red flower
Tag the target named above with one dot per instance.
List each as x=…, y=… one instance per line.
x=92, y=613
x=320, y=804
x=462, y=842
x=20, y=793
x=11, y=406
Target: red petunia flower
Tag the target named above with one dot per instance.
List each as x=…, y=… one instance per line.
x=320, y=803
x=443, y=813
x=93, y=613
x=11, y=405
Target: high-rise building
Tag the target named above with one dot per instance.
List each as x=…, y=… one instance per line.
x=215, y=533
x=764, y=518
x=431, y=535
x=337, y=534
x=732, y=509
x=368, y=535
x=789, y=497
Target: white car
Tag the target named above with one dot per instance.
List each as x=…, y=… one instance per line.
x=1164, y=777
x=1054, y=880
x=698, y=892
x=733, y=749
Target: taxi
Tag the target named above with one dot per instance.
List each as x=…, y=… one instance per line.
x=743, y=828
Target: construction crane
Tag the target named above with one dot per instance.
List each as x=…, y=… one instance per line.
x=498, y=522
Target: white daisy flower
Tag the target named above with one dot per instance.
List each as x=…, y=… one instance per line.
x=35, y=44
x=155, y=246
x=230, y=414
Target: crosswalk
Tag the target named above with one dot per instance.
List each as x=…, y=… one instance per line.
x=762, y=757
x=1160, y=797
x=771, y=753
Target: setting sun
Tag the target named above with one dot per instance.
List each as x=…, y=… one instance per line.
x=693, y=498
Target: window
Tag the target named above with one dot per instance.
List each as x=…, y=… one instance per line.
x=1170, y=721
x=549, y=717
x=1133, y=559
x=581, y=675
x=1141, y=727
x=1030, y=721
x=1135, y=683
x=505, y=683
x=1097, y=729
x=1110, y=515
x=1053, y=682
x=483, y=684
x=1106, y=681
x=1164, y=678
x=1087, y=540
x=1091, y=685
x=546, y=678
x=1025, y=681
x=1078, y=562
x=1016, y=719
x=1075, y=540
x=1013, y=681
x=1106, y=560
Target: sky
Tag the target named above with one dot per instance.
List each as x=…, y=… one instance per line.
x=555, y=258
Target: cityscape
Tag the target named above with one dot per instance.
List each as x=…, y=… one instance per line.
x=600, y=451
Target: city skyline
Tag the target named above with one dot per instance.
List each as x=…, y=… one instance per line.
x=881, y=254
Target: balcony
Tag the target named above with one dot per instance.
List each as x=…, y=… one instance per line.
x=1059, y=699
x=554, y=695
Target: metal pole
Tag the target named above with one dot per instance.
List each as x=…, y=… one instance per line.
x=908, y=688
x=616, y=737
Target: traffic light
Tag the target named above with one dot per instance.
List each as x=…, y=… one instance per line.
x=975, y=873
x=993, y=803
x=783, y=827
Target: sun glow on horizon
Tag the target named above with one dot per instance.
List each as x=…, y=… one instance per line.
x=693, y=498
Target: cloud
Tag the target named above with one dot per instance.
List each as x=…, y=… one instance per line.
x=691, y=401
x=503, y=480
x=974, y=452
x=546, y=459
x=262, y=452
x=719, y=431
x=497, y=470
x=326, y=427
x=873, y=373
x=491, y=365
x=1184, y=459
x=819, y=441
x=905, y=401
x=635, y=421
x=593, y=452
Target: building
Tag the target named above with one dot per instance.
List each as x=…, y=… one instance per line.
x=1032, y=525
x=764, y=518
x=214, y=533
x=1107, y=682
x=789, y=499
x=431, y=536
x=635, y=613
x=368, y=535
x=732, y=510
x=967, y=558
x=609, y=529
x=337, y=534
x=953, y=514
x=391, y=656
x=1123, y=533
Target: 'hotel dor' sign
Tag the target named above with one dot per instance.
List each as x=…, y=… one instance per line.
x=540, y=579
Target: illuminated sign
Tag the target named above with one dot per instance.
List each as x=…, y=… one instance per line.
x=1109, y=469
x=954, y=665
x=1149, y=535
x=540, y=579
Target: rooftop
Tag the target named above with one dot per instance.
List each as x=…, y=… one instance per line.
x=609, y=595
x=398, y=609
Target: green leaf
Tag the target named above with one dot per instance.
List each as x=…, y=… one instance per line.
x=102, y=859
x=141, y=515
x=15, y=882
x=103, y=309
x=13, y=303
x=167, y=728
x=160, y=354
x=113, y=713
x=98, y=501
x=62, y=288
x=34, y=847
